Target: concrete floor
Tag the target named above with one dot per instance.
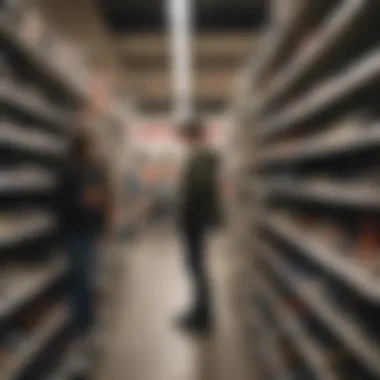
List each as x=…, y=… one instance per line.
x=146, y=345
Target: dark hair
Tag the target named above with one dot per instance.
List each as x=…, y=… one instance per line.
x=193, y=128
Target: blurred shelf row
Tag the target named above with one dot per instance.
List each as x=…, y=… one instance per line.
x=309, y=191
x=47, y=95
x=26, y=47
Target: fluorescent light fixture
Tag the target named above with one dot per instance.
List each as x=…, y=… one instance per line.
x=179, y=15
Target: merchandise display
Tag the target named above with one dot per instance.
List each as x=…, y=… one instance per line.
x=311, y=186
x=44, y=92
x=25, y=342
x=18, y=179
x=329, y=44
x=51, y=58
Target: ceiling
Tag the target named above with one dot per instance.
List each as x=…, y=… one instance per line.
x=224, y=38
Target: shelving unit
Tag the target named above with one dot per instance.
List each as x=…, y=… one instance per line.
x=283, y=37
x=267, y=351
x=50, y=325
x=350, y=195
x=293, y=327
x=39, y=65
x=13, y=137
x=322, y=148
x=345, y=327
x=34, y=135
x=42, y=102
x=329, y=97
x=24, y=285
x=337, y=28
x=20, y=227
x=30, y=179
x=309, y=193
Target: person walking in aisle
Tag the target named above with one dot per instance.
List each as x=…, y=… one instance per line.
x=83, y=207
x=199, y=212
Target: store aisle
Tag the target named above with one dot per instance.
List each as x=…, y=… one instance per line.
x=146, y=344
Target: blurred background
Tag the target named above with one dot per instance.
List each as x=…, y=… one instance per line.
x=93, y=98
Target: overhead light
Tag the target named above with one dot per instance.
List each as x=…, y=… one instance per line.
x=179, y=16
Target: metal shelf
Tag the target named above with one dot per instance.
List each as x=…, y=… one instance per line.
x=19, y=228
x=16, y=137
x=332, y=93
x=24, y=284
x=46, y=113
x=360, y=139
x=51, y=324
x=338, y=27
x=26, y=180
x=267, y=350
x=348, y=330
x=40, y=65
x=346, y=269
x=288, y=34
x=311, y=350
x=36, y=131
x=311, y=120
x=350, y=195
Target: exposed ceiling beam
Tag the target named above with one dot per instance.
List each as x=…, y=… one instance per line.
x=223, y=19
x=200, y=4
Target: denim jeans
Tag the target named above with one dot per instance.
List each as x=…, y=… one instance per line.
x=82, y=254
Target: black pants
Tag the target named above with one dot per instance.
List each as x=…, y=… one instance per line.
x=194, y=240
